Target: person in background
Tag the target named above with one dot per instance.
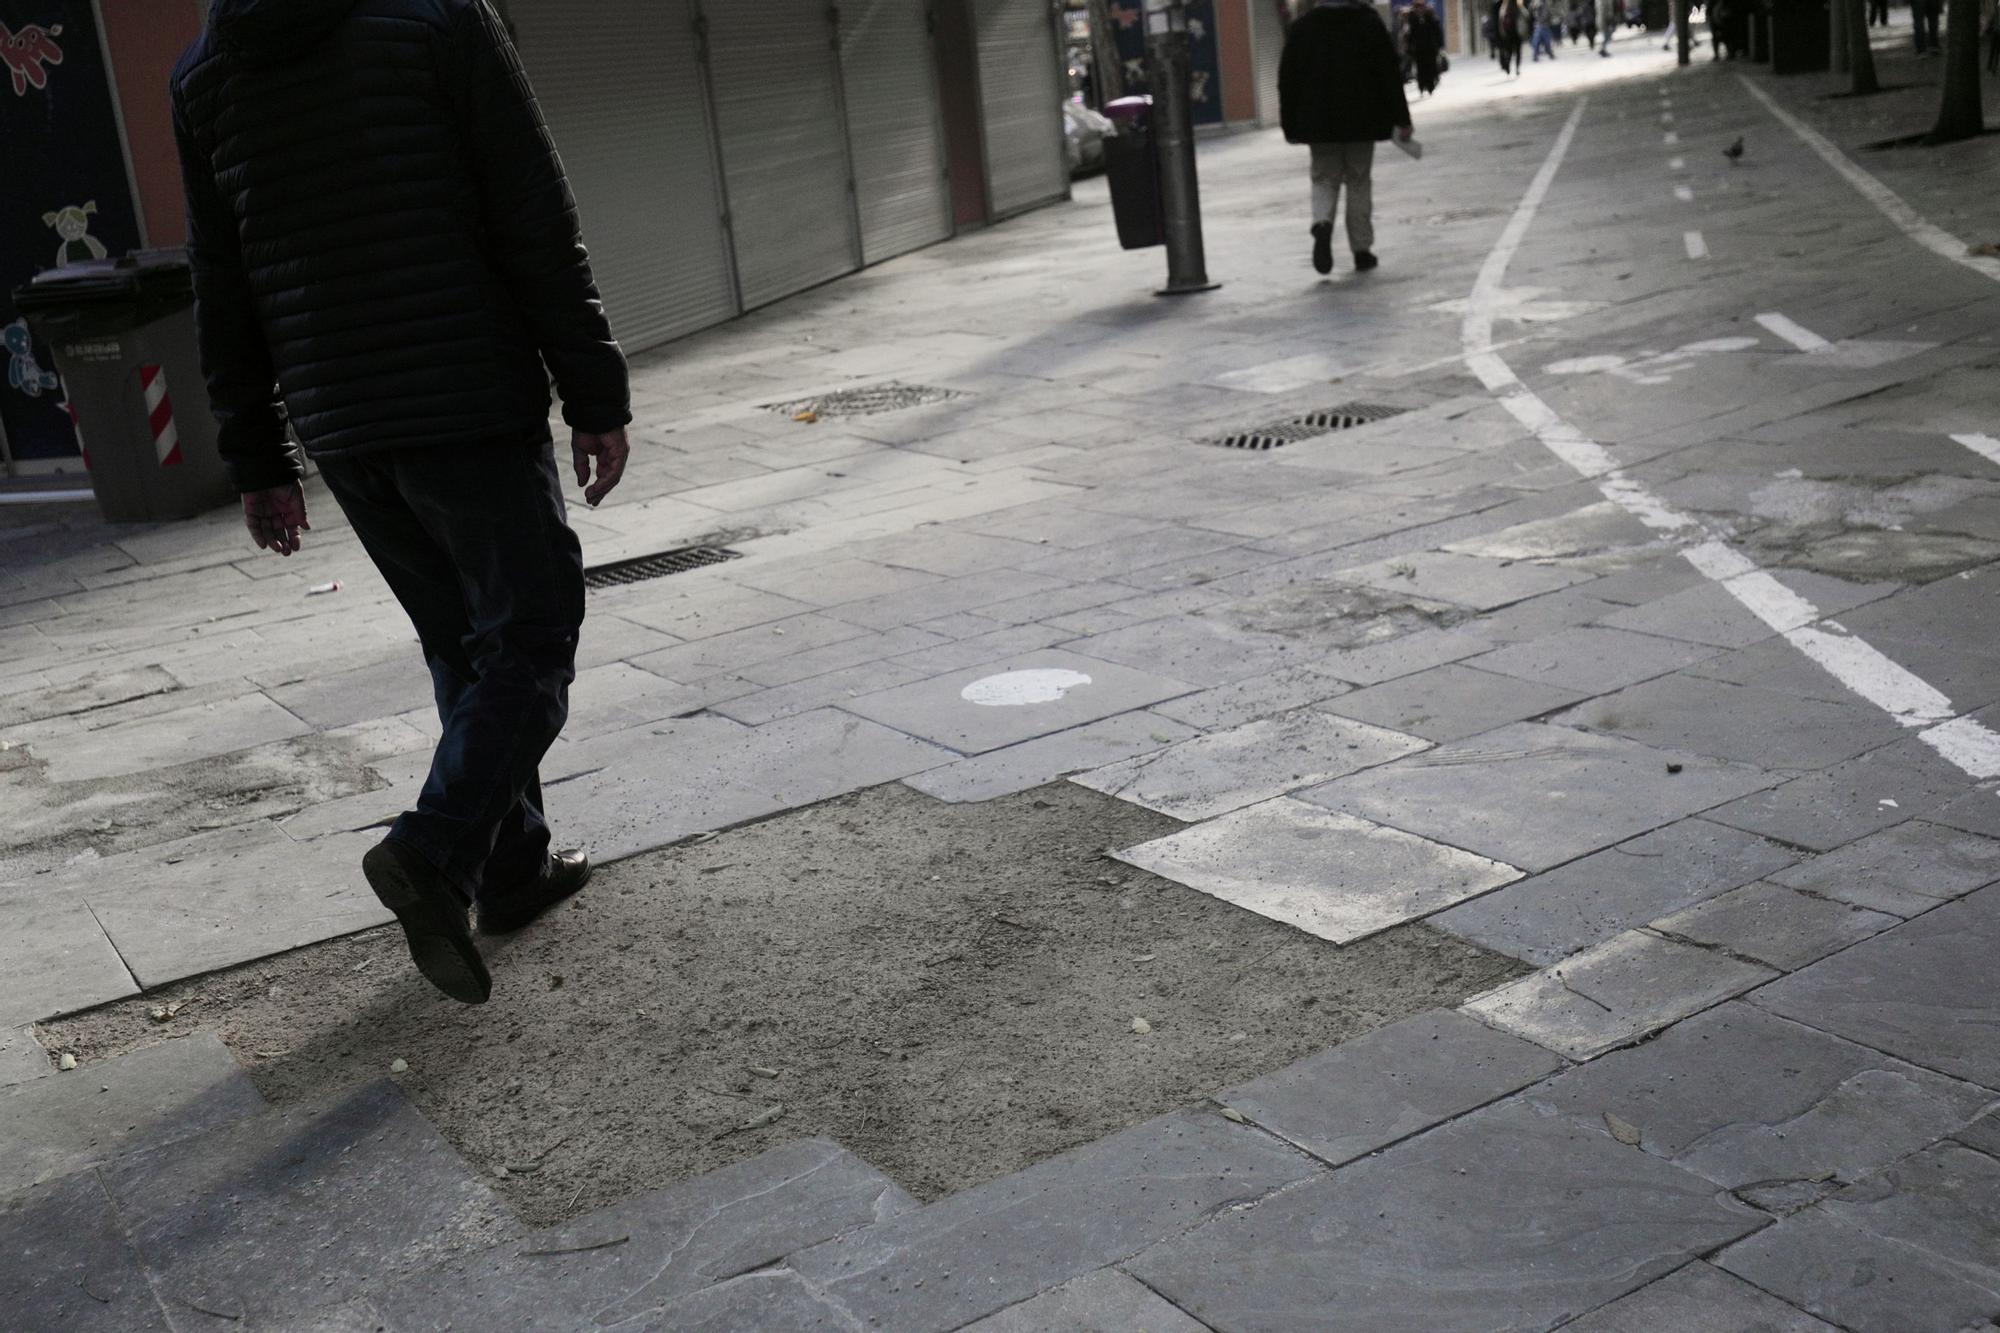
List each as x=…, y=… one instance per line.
x=1423, y=40
x=1607, y=23
x=1512, y=21
x=1340, y=91
x=1924, y=15
x=387, y=257
x=1878, y=13
x=1990, y=22
x=1543, y=24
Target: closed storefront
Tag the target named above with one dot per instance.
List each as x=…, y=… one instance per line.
x=889, y=76
x=1020, y=93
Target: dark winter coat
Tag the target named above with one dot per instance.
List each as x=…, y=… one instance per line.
x=1339, y=79
x=379, y=227
x=1426, y=34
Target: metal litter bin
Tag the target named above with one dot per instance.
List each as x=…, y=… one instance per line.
x=1132, y=164
x=123, y=334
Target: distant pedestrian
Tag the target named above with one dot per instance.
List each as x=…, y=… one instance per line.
x=379, y=226
x=1878, y=13
x=1924, y=15
x=1544, y=31
x=1423, y=39
x=1340, y=90
x=1607, y=23
x=1512, y=20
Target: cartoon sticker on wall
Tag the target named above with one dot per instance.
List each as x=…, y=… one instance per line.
x=23, y=371
x=72, y=223
x=27, y=54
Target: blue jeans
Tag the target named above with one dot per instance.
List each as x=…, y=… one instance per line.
x=473, y=541
x=1545, y=41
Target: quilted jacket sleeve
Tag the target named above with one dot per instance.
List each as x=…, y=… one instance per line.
x=531, y=225
x=235, y=360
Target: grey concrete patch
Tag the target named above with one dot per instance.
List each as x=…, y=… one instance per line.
x=1535, y=795
x=55, y=1126
x=678, y=1240
x=1366, y=1094
x=1737, y=722
x=736, y=650
x=54, y=957
x=1836, y=805
x=216, y=1219
x=1488, y=1222
x=1243, y=701
x=66, y=1264
x=1042, y=693
x=1921, y=991
x=1614, y=993
x=1448, y=703
x=196, y=732
x=1703, y=1095
x=776, y=1298
x=1195, y=649
x=381, y=689
x=1032, y=763
x=991, y=1246
x=21, y=1057
x=1593, y=528
x=1908, y=1248
x=1907, y=870
x=1774, y=925
x=1462, y=580
x=1699, y=1299
x=1395, y=658
x=1592, y=659
x=1550, y=916
x=1330, y=875
x=1102, y=1302
x=1227, y=770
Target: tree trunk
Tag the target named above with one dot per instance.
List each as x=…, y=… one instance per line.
x=1959, y=113
x=1855, y=16
x=1104, y=59
x=1841, y=30
x=1681, y=28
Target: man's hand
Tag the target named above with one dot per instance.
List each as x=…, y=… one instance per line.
x=610, y=450
x=276, y=517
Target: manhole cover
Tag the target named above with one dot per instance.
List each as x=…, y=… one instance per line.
x=1312, y=424
x=658, y=566
x=866, y=400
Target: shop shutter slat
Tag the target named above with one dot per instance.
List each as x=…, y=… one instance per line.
x=888, y=73
x=1267, y=38
x=1020, y=93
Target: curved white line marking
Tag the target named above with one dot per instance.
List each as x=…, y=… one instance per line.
x=1858, y=665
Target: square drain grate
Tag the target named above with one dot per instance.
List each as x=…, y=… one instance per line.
x=1311, y=425
x=657, y=566
x=867, y=400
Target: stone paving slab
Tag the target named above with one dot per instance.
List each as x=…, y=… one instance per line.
x=1535, y=796
x=1698, y=1299
x=1504, y=1219
x=1007, y=702
x=54, y=956
x=335, y=699
x=774, y=1299
x=1238, y=702
x=1836, y=805
x=1702, y=1095
x=1227, y=770
x=218, y=1223
x=1922, y=991
x=1451, y=702
x=201, y=731
x=1907, y=870
x=1331, y=875
x=679, y=1240
x=1482, y=583
x=1909, y=1248
x=21, y=1057
x=988, y=1247
x=1195, y=649
x=1030, y=764
x=1402, y=656
x=1614, y=993
x=1592, y=659
x=1106, y=1301
x=1736, y=722
x=1363, y=1095
x=66, y=1264
x=54, y=1126
x=1779, y=927
x=1547, y=917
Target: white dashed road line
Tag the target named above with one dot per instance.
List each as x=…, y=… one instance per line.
x=1696, y=246
x=1670, y=138
x=1794, y=333
x=1985, y=446
x=1684, y=194
x=1677, y=164
x=1907, y=219
x=1852, y=661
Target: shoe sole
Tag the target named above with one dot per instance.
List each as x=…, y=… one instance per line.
x=440, y=944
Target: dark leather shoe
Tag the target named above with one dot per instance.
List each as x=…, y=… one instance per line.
x=1322, y=247
x=433, y=920
x=1365, y=260
x=568, y=872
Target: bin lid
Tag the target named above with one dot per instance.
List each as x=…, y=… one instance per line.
x=1128, y=110
x=143, y=275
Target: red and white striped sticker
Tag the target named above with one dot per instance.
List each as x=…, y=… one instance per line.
x=76, y=429
x=160, y=410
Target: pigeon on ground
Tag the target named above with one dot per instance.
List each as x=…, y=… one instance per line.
x=1735, y=150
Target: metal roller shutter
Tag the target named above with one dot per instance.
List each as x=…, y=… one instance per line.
x=889, y=75
x=623, y=96
x=1020, y=93
x=784, y=152
x=1267, y=38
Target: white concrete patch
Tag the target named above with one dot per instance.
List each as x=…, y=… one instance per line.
x=1677, y=164
x=1794, y=333
x=1697, y=248
x=1684, y=194
x=1910, y=222
x=1985, y=446
x=1013, y=689
x=1858, y=665
x=1670, y=138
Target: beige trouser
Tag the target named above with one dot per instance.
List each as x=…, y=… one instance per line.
x=1349, y=164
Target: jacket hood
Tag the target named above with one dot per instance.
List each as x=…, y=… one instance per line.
x=269, y=32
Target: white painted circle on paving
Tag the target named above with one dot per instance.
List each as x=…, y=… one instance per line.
x=1012, y=689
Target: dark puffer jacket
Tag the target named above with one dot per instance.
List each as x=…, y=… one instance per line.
x=1339, y=80
x=379, y=226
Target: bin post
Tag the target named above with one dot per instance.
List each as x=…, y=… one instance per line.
x=1173, y=126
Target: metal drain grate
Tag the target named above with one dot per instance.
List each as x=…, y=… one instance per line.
x=1312, y=424
x=867, y=400
x=656, y=566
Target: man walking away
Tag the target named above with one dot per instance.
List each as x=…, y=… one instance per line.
x=1340, y=89
x=1513, y=21
x=1924, y=16
x=386, y=253
x=1544, y=32
x=1607, y=23
x=1424, y=40
x=1878, y=13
